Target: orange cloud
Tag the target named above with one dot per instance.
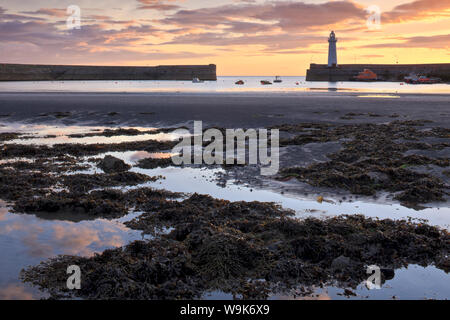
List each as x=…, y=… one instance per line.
x=53, y=12
x=158, y=5
x=430, y=42
x=417, y=10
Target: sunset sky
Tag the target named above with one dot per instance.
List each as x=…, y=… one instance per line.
x=243, y=37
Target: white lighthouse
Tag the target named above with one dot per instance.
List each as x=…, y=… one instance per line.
x=332, y=55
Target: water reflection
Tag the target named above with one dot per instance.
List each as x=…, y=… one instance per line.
x=27, y=240
x=222, y=85
x=51, y=135
x=15, y=292
x=203, y=181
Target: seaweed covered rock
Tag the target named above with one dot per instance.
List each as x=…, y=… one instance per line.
x=84, y=182
x=233, y=246
x=98, y=203
x=150, y=163
x=107, y=203
x=111, y=164
x=156, y=270
x=373, y=158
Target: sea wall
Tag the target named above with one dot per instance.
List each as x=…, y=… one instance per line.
x=387, y=72
x=28, y=72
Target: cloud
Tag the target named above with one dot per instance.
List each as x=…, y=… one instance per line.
x=285, y=15
x=38, y=42
x=298, y=15
x=431, y=42
x=417, y=10
x=274, y=42
x=44, y=240
x=35, y=32
x=158, y=5
x=263, y=27
x=7, y=16
x=281, y=25
x=52, y=12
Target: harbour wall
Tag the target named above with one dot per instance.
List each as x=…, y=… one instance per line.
x=29, y=72
x=387, y=72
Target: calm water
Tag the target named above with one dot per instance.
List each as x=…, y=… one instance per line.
x=29, y=239
x=223, y=84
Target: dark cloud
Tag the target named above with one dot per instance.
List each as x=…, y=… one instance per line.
x=7, y=16
x=32, y=32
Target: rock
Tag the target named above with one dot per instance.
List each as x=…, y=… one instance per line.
x=150, y=163
x=111, y=164
x=348, y=293
x=387, y=273
x=341, y=263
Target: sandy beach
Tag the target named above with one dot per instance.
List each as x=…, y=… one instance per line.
x=230, y=110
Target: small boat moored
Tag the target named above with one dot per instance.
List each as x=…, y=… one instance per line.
x=240, y=82
x=265, y=82
x=415, y=79
x=412, y=78
x=277, y=80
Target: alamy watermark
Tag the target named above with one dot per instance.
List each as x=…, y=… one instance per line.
x=374, y=280
x=374, y=20
x=74, y=280
x=190, y=150
x=74, y=19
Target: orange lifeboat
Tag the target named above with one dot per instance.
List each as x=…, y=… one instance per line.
x=366, y=75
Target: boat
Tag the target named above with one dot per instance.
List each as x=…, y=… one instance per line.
x=366, y=75
x=197, y=80
x=428, y=80
x=277, y=80
x=240, y=82
x=265, y=82
x=412, y=78
x=415, y=79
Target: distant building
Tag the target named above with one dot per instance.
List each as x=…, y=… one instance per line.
x=332, y=55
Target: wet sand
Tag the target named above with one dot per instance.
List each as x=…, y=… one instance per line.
x=230, y=110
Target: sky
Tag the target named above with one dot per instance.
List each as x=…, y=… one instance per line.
x=242, y=37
